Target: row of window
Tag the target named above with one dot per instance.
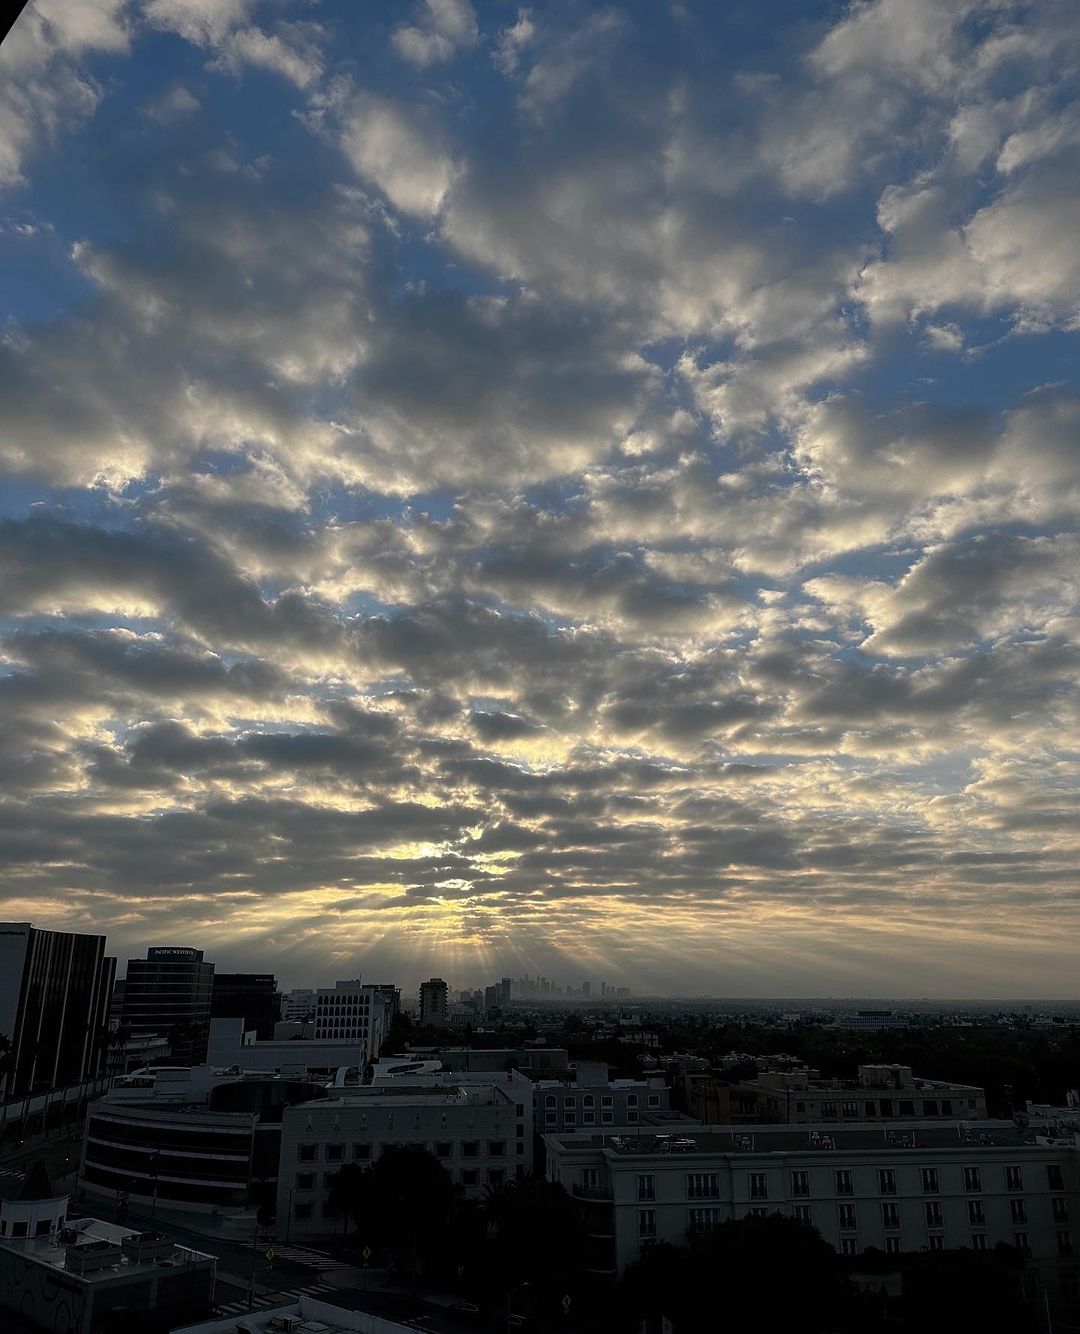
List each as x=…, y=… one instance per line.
x=843, y=1181
x=700, y=1219
x=857, y=1109
x=588, y=1118
x=361, y=1153
x=706, y=1185
x=589, y=1100
x=468, y=1176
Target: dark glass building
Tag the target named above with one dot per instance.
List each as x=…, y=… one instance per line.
x=252, y=997
x=55, y=988
x=170, y=992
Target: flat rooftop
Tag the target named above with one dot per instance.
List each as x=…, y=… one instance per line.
x=691, y=1140
x=53, y=1251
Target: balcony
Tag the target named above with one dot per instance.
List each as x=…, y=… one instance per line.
x=601, y=1193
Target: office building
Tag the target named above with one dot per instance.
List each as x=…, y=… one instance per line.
x=55, y=988
x=434, y=1004
x=355, y=1013
x=478, y=1126
x=231, y=1047
x=923, y=1186
x=67, y=1274
x=170, y=992
x=189, y=1139
x=252, y=997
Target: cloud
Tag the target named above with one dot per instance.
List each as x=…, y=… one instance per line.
x=445, y=27
x=389, y=145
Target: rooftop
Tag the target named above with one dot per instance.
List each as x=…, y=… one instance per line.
x=123, y=1252
x=764, y=1139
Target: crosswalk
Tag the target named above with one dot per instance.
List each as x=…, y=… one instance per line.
x=284, y=1298
x=305, y=1255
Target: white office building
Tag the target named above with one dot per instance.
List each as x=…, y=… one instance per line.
x=478, y=1126
x=352, y=1012
x=299, y=1004
x=922, y=1186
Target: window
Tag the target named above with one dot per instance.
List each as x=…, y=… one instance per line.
x=606, y=1100
x=550, y=1118
x=933, y=1213
x=1064, y=1242
x=886, y=1107
x=946, y=1107
x=870, y=1109
x=706, y=1186
x=631, y=1100
x=1014, y=1178
x=936, y=1241
x=1054, y=1179
x=443, y=1149
x=307, y=1153
x=654, y=1099
x=328, y=1179
x=849, y=1109
x=607, y=1118
x=646, y=1223
x=701, y=1220
x=972, y=1179
x=845, y=1214
x=828, y=1109
x=1022, y=1242
x=589, y=1118
x=1061, y=1209
x=759, y=1213
x=631, y=1118
x=843, y=1182
x=305, y=1181
x=335, y=1153
x=849, y=1246
x=570, y=1101
x=588, y=1100
x=646, y=1187
x=470, y=1148
x=1018, y=1211
x=976, y=1216
x=495, y=1176
x=929, y=1107
x=892, y=1245
x=978, y=1241
x=929, y=1181
x=551, y=1100
x=759, y=1186
x=42, y=1229
x=470, y=1176
x=302, y=1212
x=906, y=1107
x=570, y=1118
x=803, y=1214
x=496, y=1148
x=800, y=1185
x=886, y=1181
x=890, y=1215
x=361, y=1152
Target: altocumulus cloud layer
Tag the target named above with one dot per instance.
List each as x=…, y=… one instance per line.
x=581, y=487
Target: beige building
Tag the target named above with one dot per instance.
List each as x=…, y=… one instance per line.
x=922, y=1186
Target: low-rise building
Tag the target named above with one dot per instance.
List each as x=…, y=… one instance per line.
x=478, y=1126
x=231, y=1046
x=587, y=1096
x=68, y=1274
x=923, y=1186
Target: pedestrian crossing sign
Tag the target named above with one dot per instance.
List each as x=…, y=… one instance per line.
x=270, y=1253
x=366, y=1253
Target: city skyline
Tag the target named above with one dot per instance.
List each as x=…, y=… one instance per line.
x=578, y=489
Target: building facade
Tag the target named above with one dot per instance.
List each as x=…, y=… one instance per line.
x=894, y=1189
x=55, y=989
x=252, y=997
x=478, y=1127
x=61, y=1274
x=298, y=1004
x=589, y=1098
x=434, y=1003
x=352, y=1012
x=170, y=992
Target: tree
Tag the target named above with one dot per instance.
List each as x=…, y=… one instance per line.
x=535, y=1236
x=404, y=1202
x=965, y=1290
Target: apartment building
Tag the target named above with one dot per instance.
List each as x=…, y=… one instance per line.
x=801, y=1096
x=923, y=1186
x=479, y=1127
x=586, y=1096
x=352, y=1012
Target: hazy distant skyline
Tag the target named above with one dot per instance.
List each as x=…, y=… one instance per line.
x=587, y=489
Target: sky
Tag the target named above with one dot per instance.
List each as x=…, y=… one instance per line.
x=566, y=488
